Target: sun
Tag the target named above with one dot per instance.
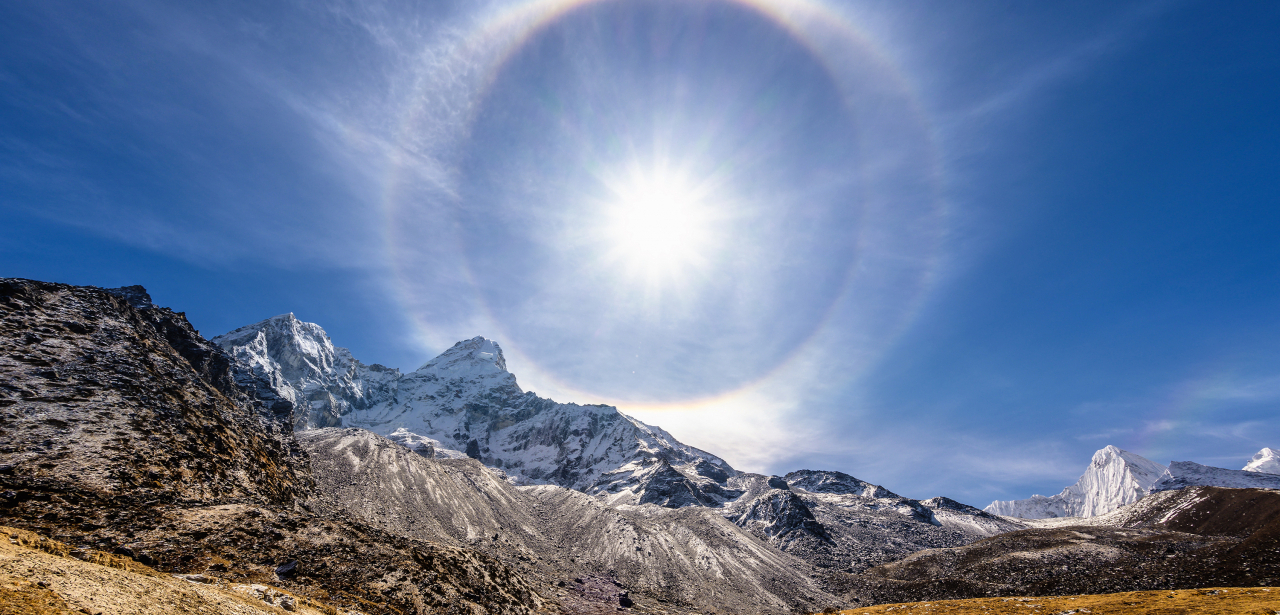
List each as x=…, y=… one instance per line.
x=660, y=225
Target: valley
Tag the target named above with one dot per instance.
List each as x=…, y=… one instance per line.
x=270, y=457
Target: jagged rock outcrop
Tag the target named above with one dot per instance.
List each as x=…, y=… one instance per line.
x=1115, y=477
x=1181, y=474
x=782, y=516
x=301, y=364
x=98, y=394
x=1266, y=460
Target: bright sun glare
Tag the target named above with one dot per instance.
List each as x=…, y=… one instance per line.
x=660, y=224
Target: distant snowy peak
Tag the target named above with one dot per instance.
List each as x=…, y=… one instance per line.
x=1267, y=460
x=1190, y=474
x=1115, y=477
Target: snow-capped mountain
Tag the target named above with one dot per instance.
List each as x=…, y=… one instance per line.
x=323, y=381
x=1115, y=477
x=1189, y=474
x=1267, y=460
x=464, y=403
x=466, y=400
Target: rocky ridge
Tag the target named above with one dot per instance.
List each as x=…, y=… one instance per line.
x=466, y=400
x=463, y=400
x=100, y=395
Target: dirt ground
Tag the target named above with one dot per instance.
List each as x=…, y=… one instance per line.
x=1209, y=601
x=39, y=576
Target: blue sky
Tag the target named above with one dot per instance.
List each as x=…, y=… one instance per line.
x=948, y=247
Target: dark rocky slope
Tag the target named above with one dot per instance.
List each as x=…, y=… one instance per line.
x=123, y=430
x=94, y=395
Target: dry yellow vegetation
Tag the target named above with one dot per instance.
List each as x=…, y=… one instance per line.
x=1207, y=601
x=38, y=576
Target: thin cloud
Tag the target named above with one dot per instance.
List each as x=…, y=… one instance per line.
x=1069, y=63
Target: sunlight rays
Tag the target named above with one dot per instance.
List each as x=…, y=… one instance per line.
x=660, y=225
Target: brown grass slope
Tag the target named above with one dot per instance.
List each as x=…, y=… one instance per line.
x=1206, y=601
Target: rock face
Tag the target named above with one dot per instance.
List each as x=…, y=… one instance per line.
x=1266, y=460
x=1114, y=478
x=98, y=394
x=1181, y=474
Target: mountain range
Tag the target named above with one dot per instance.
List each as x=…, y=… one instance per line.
x=270, y=455
x=464, y=403
x=1117, y=477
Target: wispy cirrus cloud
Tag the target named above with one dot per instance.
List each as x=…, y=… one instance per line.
x=1072, y=61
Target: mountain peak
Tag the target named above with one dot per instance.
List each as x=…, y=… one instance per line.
x=1266, y=460
x=1115, y=477
x=1112, y=454
x=475, y=356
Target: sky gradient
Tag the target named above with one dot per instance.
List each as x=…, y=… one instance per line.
x=948, y=247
